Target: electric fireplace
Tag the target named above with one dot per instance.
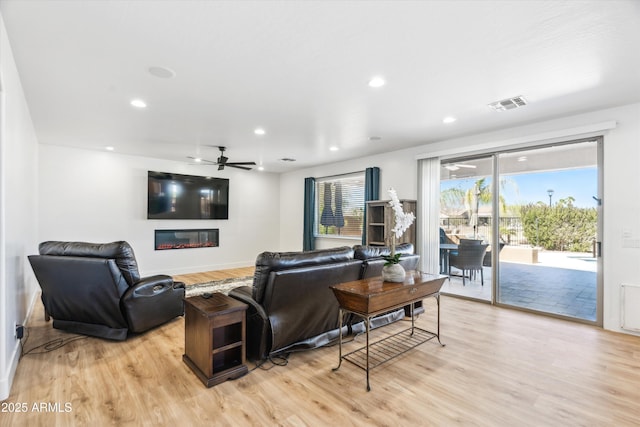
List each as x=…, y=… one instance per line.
x=186, y=239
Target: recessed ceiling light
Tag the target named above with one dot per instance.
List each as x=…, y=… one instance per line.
x=377, y=81
x=138, y=103
x=109, y=148
x=259, y=131
x=162, y=72
x=260, y=168
x=449, y=119
x=197, y=160
x=333, y=148
x=522, y=158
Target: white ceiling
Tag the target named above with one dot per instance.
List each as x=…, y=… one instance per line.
x=299, y=69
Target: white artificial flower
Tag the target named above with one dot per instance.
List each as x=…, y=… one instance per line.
x=403, y=220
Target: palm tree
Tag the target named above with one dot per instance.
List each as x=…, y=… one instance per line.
x=481, y=194
x=471, y=199
x=452, y=201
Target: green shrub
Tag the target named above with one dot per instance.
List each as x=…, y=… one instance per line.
x=562, y=227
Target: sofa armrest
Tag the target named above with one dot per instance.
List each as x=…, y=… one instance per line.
x=258, y=331
x=152, y=301
x=151, y=286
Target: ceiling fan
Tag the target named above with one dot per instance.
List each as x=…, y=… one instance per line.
x=456, y=166
x=223, y=161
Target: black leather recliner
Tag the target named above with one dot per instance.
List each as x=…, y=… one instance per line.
x=95, y=289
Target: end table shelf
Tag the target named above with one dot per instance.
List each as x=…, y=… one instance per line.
x=390, y=347
x=214, y=338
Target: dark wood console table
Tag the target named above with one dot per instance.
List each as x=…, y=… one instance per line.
x=371, y=297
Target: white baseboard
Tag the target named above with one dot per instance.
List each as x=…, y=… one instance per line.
x=7, y=381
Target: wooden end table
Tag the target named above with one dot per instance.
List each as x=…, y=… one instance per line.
x=371, y=297
x=214, y=337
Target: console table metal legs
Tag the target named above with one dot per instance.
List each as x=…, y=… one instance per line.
x=372, y=355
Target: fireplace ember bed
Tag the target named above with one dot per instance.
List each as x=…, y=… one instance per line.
x=186, y=239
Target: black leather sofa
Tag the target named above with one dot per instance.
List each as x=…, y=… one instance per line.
x=291, y=305
x=95, y=289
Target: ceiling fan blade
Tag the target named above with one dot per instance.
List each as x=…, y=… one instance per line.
x=232, y=165
x=456, y=166
x=222, y=161
x=239, y=163
x=201, y=160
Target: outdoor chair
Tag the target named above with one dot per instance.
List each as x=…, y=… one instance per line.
x=468, y=259
x=444, y=238
x=487, y=256
x=470, y=241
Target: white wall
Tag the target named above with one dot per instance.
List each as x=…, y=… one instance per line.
x=18, y=210
x=101, y=196
x=621, y=210
x=621, y=203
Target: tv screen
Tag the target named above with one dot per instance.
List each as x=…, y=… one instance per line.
x=175, y=196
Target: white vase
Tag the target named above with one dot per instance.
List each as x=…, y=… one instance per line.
x=393, y=273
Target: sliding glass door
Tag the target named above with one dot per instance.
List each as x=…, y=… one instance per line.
x=536, y=213
x=550, y=260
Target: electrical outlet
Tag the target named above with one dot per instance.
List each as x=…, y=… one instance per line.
x=18, y=331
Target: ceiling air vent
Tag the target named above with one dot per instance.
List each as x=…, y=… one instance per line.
x=287, y=159
x=509, y=103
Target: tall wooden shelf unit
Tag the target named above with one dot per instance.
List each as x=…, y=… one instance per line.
x=379, y=223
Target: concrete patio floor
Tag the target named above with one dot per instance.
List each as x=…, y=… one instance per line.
x=562, y=283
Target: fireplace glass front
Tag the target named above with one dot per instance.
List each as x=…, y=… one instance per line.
x=186, y=239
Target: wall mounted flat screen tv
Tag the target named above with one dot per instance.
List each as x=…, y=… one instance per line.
x=175, y=196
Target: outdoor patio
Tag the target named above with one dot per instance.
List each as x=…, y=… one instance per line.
x=562, y=283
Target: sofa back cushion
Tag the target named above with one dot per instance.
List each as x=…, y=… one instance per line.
x=267, y=262
x=367, y=252
x=121, y=252
x=372, y=261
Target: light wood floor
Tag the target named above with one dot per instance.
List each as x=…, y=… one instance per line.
x=208, y=276
x=500, y=367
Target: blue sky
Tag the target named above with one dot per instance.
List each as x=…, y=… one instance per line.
x=581, y=184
